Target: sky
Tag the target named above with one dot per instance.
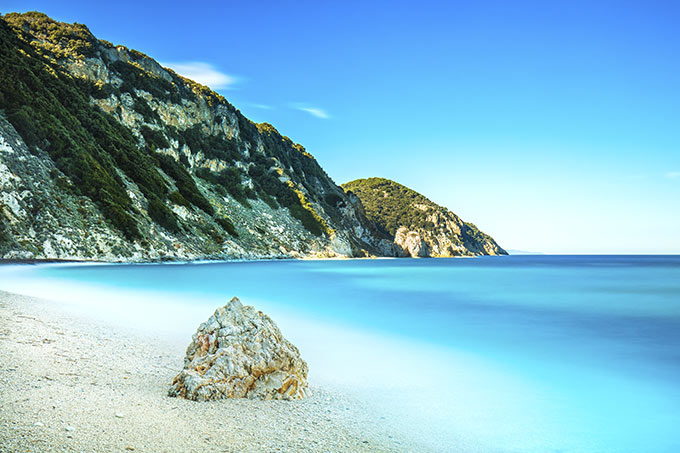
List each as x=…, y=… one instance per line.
x=553, y=126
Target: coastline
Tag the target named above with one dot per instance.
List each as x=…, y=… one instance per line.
x=70, y=383
x=173, y=260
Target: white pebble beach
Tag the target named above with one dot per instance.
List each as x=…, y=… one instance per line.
x=72, y=383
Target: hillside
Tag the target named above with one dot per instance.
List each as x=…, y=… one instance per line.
x=419, y=226
x=105, y=154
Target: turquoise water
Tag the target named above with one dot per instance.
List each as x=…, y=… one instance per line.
x=519, y=353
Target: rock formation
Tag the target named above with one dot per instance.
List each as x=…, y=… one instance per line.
x=411, y=242
x=418, y=226
x=239, y=352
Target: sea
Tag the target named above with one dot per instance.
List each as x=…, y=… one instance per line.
x=511, y=354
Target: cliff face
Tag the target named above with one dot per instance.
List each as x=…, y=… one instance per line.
x=417, y=225
x=105, y=154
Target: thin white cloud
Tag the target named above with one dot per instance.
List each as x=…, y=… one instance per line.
x=203, y=73
x=673, y=175
x=314, y=111
x=262, y=106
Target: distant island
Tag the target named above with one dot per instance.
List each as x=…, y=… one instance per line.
x=106, y=155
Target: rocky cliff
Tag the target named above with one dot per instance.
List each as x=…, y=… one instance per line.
x=418, y=226
x=105, y=154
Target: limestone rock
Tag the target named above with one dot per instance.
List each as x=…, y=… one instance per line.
x=239, y=352
x=412, y=243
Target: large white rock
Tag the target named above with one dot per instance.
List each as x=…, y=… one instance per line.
x=239, y=352
x=411, y=242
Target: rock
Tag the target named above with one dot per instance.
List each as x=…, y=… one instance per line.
x=239, y=352
x=412, y=243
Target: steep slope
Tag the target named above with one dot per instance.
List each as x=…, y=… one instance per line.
x=419, y=226
x=105, y=154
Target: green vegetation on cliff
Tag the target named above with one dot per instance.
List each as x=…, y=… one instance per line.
x=50, y=110
x=125, y=144
x=391, y=205
x=53, y=111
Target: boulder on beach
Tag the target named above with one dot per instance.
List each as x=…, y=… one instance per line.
x=239, y=352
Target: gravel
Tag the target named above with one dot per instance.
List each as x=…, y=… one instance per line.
x=70, y=383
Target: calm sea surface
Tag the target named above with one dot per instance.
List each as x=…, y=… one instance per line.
x=519, y=353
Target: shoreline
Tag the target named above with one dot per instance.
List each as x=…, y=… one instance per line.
x=172, y=260
x=71, y=383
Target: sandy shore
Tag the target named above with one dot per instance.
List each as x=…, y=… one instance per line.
x=70, y=383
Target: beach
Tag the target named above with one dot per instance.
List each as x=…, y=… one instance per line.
x=73, y=383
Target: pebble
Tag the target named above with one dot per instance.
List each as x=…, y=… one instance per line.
x=325, y=422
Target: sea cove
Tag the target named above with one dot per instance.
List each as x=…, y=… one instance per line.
x=519, y=353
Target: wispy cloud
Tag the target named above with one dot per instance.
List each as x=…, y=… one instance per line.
x=673, y=175
x=261, y=106
x=314, y=111
x=203, y=73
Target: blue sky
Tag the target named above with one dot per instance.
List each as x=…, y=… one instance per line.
x=554, y=126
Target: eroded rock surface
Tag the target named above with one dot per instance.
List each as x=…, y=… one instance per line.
x=239, y=352
x=412, y=243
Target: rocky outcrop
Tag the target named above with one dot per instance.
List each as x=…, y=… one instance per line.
x=239, y=352
x=41, y=216
x=412, y=243
x=419, y=227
